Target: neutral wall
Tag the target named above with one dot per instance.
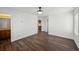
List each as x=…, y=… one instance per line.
x=22, y=24
x=61, y=25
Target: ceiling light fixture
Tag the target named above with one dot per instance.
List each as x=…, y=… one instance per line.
x=40, y=11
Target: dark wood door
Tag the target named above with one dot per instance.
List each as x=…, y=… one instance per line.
x=4, y=34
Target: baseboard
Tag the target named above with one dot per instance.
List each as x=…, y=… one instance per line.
x=60, y=36
x=23, y=37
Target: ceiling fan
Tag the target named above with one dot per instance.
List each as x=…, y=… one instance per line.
x=39, y=11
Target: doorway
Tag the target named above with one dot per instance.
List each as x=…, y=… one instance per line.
x=5, y=27
x=43, y=23
x=76, y=26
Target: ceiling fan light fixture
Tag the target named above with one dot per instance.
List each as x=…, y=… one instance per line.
x=40, y=11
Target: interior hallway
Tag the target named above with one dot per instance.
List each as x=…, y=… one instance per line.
x=40, y=42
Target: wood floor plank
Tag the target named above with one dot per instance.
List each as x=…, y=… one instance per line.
x=40, y=42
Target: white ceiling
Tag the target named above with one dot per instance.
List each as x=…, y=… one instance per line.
x=47, y=10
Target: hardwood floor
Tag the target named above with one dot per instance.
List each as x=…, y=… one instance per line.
x=39, y=42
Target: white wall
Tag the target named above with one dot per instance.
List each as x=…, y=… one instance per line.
x=61, y=25
x=22, y=24
x=25, y=24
